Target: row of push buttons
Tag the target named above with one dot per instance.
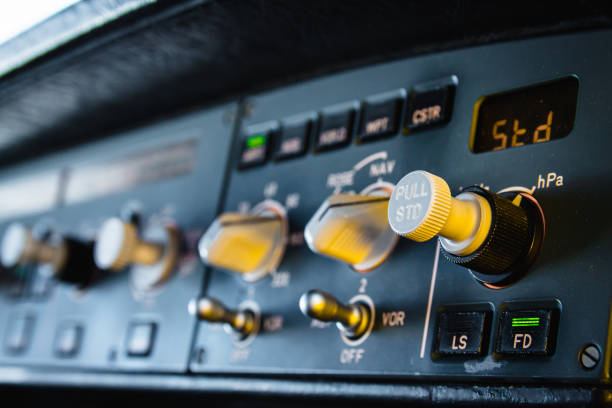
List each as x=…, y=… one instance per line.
x=69, y=336
x=521, y=332
x=428, y=105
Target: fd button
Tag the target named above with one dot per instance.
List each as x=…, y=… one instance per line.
x=527, y=332
x=461, y=334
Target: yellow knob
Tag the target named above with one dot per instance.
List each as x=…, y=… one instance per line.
x=352, y=228
x=250, y=245
x=421, y=207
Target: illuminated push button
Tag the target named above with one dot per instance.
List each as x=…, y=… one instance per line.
x=293, y=139
x=352, y=228
x=379, y=117
x=255, y=145
x=496, y=238
x=335, y=128
x=527, y=332
x=118, y=245
x=242, y=321
x=429, y=105
x=353, y=319
x=251, y=245
x=461, y=334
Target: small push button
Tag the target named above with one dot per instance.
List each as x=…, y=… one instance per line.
x=140, y=339
x=334, y=128
x=293, y=139
x=68, y=339
x=429, y=105
x=461, y=334
x=19, y=333
x=527, y=332
x=380, y=117
x=255, y=148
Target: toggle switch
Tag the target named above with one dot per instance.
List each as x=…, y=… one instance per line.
x=251, y=245
x=243, y=321
x=352, y=228
x=118, y=245
x=352, y=319
x=495, y=236
x=70, y=259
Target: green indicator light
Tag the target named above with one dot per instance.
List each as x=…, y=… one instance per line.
x=256, y=141
x=525, y=322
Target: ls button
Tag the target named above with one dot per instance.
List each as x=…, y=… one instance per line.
x=461, y=334
x=527, y=332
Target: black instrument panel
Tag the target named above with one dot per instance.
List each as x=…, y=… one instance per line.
x=295, y=146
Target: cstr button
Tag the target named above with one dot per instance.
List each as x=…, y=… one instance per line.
x=527, y=332
x=430, y=104
x=461, y=334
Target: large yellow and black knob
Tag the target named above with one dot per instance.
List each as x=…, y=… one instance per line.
x=496, y=237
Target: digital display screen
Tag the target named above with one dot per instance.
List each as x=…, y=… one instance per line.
x=535, y=114
x=104, y=177
x=29, y=194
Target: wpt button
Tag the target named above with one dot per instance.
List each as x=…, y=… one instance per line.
x=461, y=334
x=527, y=332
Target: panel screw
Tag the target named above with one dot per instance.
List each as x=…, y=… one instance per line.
x=198, y=355
x=589, y=356
x=229, y=116
x=112, y=355
x=249, y=108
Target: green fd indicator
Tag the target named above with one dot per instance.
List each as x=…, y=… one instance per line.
x=525, y=322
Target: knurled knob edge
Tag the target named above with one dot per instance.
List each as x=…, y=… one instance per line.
x=437, y=213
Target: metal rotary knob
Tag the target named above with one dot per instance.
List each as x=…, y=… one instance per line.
x=352, y=228
x=243, y=322
x=20, y=247
x=152, y=256
x=251, y=245
x=71, y=260
x=496, y=237
x=352, y=319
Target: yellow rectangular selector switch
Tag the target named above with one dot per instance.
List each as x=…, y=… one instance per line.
x=341, y=239
x=352, y=228
x=243, y=242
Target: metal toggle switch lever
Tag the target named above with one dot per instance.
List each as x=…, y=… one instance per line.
x=242, y=321
x=352, y=319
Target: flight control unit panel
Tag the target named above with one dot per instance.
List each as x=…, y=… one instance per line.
x=443, y=216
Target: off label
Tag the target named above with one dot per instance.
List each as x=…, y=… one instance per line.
x=239, y=355
x=351, y=355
